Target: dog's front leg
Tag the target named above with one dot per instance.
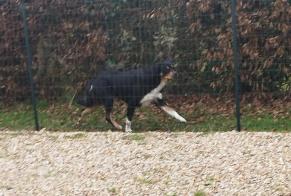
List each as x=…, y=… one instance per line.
x=173, y=113
x=170, y=111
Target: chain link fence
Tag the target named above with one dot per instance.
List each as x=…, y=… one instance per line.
x=49, y=49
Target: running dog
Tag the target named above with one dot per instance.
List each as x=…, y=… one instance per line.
x=136, y=87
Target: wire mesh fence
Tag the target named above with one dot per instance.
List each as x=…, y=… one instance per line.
x=73, y=41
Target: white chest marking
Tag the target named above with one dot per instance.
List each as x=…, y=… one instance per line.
x=154, y=94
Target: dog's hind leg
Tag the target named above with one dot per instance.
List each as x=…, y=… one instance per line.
x=108, y=110
x=86, y=111
x=130, y=112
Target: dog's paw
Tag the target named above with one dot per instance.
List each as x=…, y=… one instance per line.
x=119, y=127
x=183, y=120
x=128, y=130
x=180, y=118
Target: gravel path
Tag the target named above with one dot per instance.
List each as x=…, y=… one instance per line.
x=110, y=163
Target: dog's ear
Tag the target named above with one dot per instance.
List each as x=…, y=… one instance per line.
x=165, y=67
x=168, y=62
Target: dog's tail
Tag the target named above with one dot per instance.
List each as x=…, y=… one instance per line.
x=81, y=98
x=72, y=100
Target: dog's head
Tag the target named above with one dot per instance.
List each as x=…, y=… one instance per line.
x=167, y=70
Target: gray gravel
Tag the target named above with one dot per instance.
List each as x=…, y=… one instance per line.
x=230, y=163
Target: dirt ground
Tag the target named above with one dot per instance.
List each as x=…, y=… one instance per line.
x=151, y=163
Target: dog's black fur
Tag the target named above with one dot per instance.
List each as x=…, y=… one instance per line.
x=130, y=86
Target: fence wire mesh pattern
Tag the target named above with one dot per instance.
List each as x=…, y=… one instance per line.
x=55, y=47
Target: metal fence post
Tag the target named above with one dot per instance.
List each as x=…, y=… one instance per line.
x=236, y=61
x=29, y=64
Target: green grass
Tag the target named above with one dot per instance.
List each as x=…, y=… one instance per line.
x=112, y=190
x=75, y=136
x=145, y=180
x=61, y=118
x=135, y=137
x=267, y=122
x=199, y=193
x=19, y=117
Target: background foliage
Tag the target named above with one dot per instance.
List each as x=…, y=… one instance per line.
x=71, y=40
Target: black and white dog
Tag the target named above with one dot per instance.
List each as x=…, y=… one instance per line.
x=136, y=87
